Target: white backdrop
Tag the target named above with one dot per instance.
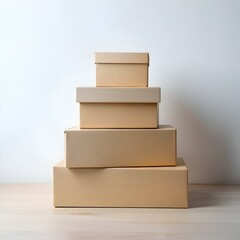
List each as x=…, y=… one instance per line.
x=46, y=51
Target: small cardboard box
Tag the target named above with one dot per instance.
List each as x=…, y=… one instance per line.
x=121, y=187
x=96, y=148
x=118, y=107
x=121, y=69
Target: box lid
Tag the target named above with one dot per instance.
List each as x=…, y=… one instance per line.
x=118, y=95
x=181, y=165
x=114, y=57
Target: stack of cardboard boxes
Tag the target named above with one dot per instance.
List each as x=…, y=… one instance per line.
x=120, y=156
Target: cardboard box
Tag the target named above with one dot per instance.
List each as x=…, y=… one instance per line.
x=118, y=107
x=95, y=148
x=121, y=187
x=121, y=69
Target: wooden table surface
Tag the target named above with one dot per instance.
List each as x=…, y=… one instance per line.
x=26, y=212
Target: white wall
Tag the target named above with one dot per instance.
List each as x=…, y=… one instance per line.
x=46, y=50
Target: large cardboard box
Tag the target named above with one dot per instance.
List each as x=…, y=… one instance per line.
x=118, y=107
x=121, y=187
x=95, y=148
x=121, y=69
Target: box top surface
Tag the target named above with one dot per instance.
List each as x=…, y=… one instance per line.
x=121, y=57
x=180, y=166
x=118, y=95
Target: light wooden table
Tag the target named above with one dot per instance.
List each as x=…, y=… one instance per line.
x=26, y=212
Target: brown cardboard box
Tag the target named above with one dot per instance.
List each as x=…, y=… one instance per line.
x=121, y=187
x=121, y=69
x=94, y=148
x=118, y=107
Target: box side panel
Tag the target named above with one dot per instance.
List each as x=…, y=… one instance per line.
x=121, y=75
x=118, y=115
x=121, y=148
x=130, y=187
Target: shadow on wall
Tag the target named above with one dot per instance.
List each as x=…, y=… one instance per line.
x=202, y=137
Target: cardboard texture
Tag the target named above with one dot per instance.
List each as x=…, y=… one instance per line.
x=118, y=107
x=121, y=187
x=96, y=148
x=122, y=69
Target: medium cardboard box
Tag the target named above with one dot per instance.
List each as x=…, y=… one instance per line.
x=121, y=187
x=121, y=69
x=95, y=148
x=118, y=107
